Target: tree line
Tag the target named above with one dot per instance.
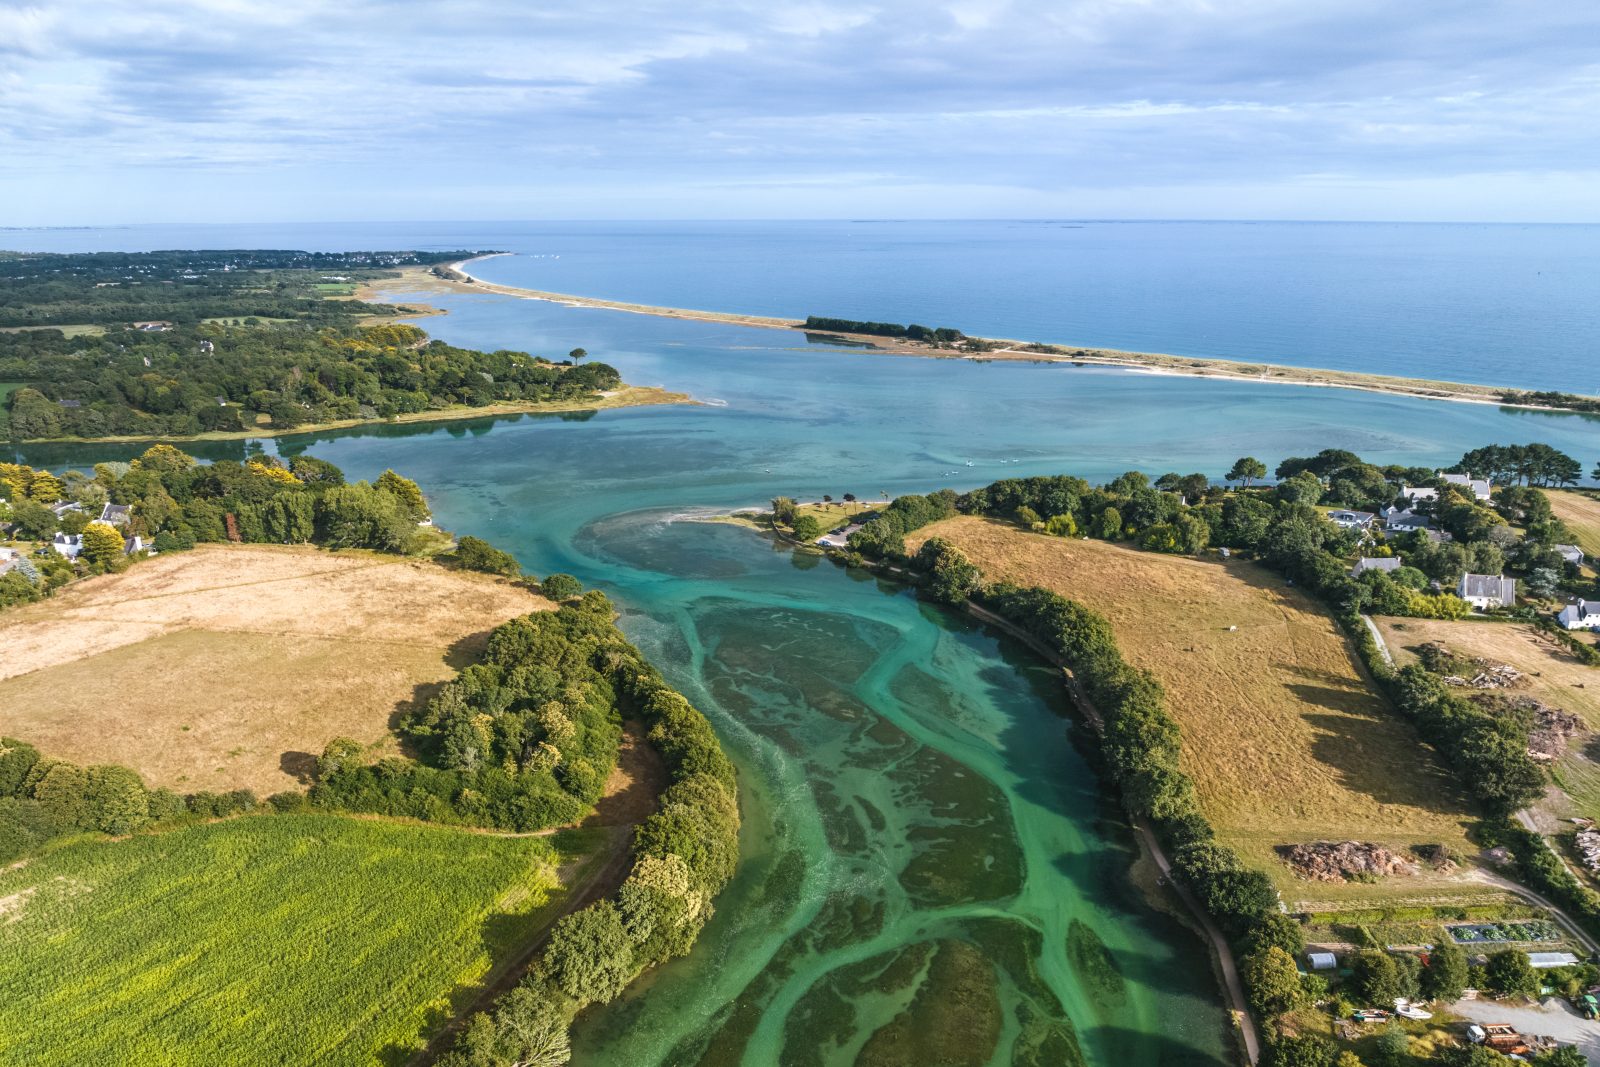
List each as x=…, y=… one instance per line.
x=913, y=332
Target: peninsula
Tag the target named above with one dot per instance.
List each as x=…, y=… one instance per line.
x=216, y=345
x=456, y=277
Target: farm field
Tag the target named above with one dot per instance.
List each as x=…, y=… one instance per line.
x=277, y=939
x=1282, y=733
x=1581, y=512
x=1552, y=676
x=279, y=648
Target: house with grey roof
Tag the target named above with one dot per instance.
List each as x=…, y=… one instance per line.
x=1478, y=487
x=63, y=506
x=1405, y=520
x=68, y=545
x=116, y=514
x=1580, y=615
x=1415, y=493
x=1484, y=591
x=1351, y=520
x=1571, y=553
x=1375, y=563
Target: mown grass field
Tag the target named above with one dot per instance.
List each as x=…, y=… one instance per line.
x=1282, y=732
x=1581, y=512
x=1553, y=676
x=279, y=650
x=279, y=939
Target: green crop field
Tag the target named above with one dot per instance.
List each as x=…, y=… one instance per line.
x=276, y=939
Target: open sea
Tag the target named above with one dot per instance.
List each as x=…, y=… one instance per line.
x=1502, y=304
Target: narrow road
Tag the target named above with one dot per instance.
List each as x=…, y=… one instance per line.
x=1232, y=985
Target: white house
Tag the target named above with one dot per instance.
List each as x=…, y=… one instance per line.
x=1351, y=520
x=1478, y=487
x=1415, y=493
x=1404, y=520
x=1571, y=553
x=68, y=545
x=1375, y=563
x=1484, y=591
x=1581, y=615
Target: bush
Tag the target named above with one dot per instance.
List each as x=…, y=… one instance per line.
x=560, y=587
x=474, y=554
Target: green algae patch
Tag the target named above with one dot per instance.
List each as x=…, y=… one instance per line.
x=1095, y=966
x=953, y=1020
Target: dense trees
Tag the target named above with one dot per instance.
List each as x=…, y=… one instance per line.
x=1532, y=464
x=212, y=377
x=474, y=554
x=913, y=332
x=683, y=854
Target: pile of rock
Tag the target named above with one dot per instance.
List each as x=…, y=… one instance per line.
x=1490, y=676
x=1588, y=842
x=1340, y=861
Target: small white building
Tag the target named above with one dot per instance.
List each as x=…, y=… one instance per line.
x=1571, y=553
x=1415, y=493
x=1478, y=487
x=1322, y=961
x=1484, y=591
x=1375, y=563
x=1580, y=615
x=69, y=545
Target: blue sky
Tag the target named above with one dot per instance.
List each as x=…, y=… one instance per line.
x=233, y=110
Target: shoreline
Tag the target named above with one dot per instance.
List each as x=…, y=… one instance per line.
x=1005, y=349
x=629, y=396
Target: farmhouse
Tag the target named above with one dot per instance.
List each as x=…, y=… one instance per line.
x=1479, y=487
x=1485, y=591
x=1380, y=563
x=1580, y=615
x=1351, y=520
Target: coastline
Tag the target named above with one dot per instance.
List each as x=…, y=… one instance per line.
x=629, y=396
x=460, y=280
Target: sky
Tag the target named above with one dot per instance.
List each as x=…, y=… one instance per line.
x=293, y=110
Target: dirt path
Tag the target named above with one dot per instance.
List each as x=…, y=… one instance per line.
x=632, y=791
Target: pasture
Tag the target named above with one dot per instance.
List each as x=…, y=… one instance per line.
x=281, y=939
x=1552, y=676
x=1581, y=511
x=1282, y=732
x=231, y=666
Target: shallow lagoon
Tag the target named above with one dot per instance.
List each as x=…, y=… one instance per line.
x=922, y=836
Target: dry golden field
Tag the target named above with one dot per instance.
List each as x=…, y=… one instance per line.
x=1582, y=513
x=231, y=666
x=1553, y=676
x=1282, y=732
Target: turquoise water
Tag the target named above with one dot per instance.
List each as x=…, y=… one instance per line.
x=1496, y=304
x=921, y=833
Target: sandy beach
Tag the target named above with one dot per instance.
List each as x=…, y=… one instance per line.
x=458, y=278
